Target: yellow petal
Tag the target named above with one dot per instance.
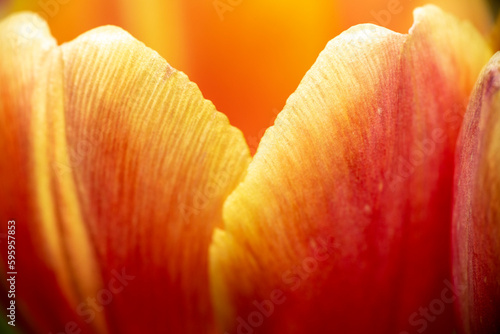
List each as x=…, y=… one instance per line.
x=342, y=222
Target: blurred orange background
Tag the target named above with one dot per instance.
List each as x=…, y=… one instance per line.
x=247, y=56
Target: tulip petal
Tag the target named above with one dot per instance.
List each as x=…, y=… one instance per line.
x=342, y=222
x=129, y=168
x=476, y=215
x=25, y=43
x=153, y=165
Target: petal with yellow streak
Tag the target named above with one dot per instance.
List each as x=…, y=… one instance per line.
x=342, y=223
x=124, y=167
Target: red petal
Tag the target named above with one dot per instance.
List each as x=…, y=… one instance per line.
x=476, y=216
x=360, y=159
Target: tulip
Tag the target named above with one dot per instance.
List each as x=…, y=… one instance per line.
x=136, y=206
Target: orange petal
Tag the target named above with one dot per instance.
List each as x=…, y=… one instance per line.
x=155, y=161
x=342, y=222
x=129, y=167
x=476, y=215
x=24, y=44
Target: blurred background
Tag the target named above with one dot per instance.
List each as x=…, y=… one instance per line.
x=247, y=56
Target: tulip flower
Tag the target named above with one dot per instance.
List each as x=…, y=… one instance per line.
x=132, y=205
